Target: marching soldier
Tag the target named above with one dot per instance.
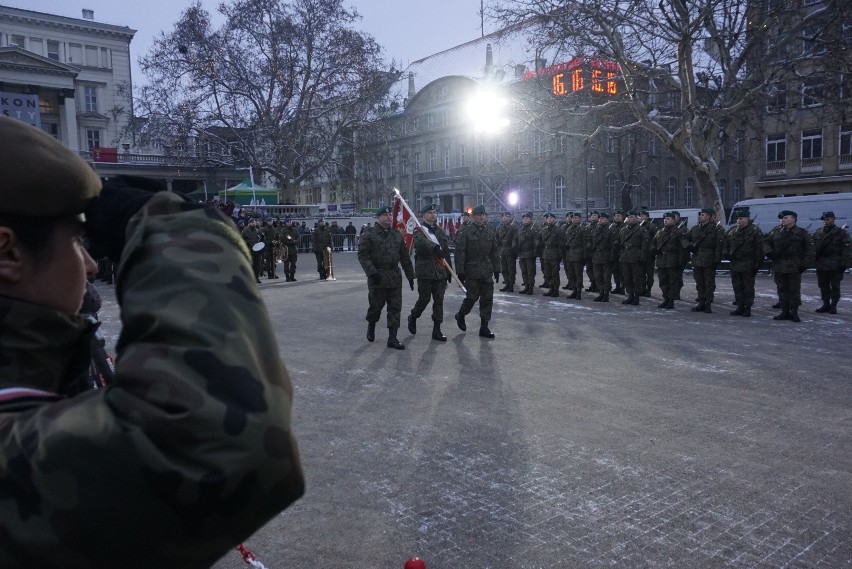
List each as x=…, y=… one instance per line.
x=744, y=249
x=290, y=240
x=647, y=224
x=550, y=238
x=791, y=251
x=574, y=243
x=615, y=269
x=601, y=243
x=705, y=243
x=833, y=249
x=252, y=236
x=508, y=254
x=321, y=238
x=634, y=246
x=668, y=250
x=477, y=260
x=270, y=252
x=526, y=244
x=432, y=276
x=381, y=251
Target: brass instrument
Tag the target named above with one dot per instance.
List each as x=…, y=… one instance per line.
x=328, y=263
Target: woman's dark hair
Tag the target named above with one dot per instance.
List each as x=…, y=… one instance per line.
x=33, y=233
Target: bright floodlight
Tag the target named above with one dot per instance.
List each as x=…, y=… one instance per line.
x=513, y=199
x=486, y=111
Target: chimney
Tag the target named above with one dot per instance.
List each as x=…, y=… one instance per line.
x=489, y=58
x=411, y=91
x=88, y=14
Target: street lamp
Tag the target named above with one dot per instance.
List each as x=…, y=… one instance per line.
x=486, y=112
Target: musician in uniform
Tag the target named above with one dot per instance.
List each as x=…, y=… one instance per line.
x=290, y=241
x=744, y=250
x=833, y=250
x=704, y=241
x=668, y=250
x=381, y=251
x=270, y=252
x=526, y=244
x=432, y=274
x=550, y=238
x=477, y=259
x=252, y=236
x=508, y=253
x=321, y=238
x=791, y=250
x=574, y=246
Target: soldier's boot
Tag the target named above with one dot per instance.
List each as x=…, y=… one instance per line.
x=628, y=300
x=392, y=341
x=825, y=305
x=436, y=332
x=832, y=308
x=618, y=290
x=776, y=305
x=707, y=308
x=635, y=301
x=510, y=288
x=293, y=277
x=505, y=287
x=412, y=323
x=524, y=289
x=566, y=287
x=794, y=314
x=739, y=311
x=646, y=293
x=698, y=307
x=484, y=331
x=746, y=311
x=670, y=305
x=578, y=295
x=785, y=313
x=371, y=331
x=599, y=297
x=460, y=321
x=664, y=303
x=554, y=291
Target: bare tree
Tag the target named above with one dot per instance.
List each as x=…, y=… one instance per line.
x=277, y=84
x=692, y=70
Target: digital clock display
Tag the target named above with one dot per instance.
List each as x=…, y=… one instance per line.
x=595, y=75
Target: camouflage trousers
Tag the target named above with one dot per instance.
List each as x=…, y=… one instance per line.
x=669, y=282
x=590, y=272
x=507, y=268
x=430, y=289
x=481, y=290
x=634, y=278
x=829, y=285
x=705, y=283
x=789, y=287
x=649, y=274
x=743, y=285
x=603, y=276
x=290, y=262
x=574, y=271
x=527, y=270
x=550, y=268
x=615, y=271
x=257, y=263
x=378, y=297
x=269, y=261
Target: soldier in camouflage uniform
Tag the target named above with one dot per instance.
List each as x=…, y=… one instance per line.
x=290, y=240
x=508, y=254
x=550, y=238
x=791, y=250
x=590, y=270
x=526, y=244
x=833, y=250
x=574, y=245
x=704, y=241
x=252, y=236
x=682, y=229
x=432, y=275
x=270, y=253
x=189, y=451
x=744, y=249
x=668, y=250
x=321, y=238
x=477, y=259
x=602, y=246
x=615, y=269
x=634, y=249
x=647, y=224
x=381, y=251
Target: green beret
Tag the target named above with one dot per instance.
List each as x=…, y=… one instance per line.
x=576, y=214
x=827, y=215
x=633, y=212
x=669, y=214
x=708, y=210
x=645, y=212
x=528, y=214
x=509, y=213
x=428, y=207
x=618, y=212
x=382, y=210
x=548, y=214
x=741, y=212
x=787, y=212
x=595, y=212
x=603, y=214
x=40, y=176
x=479, y=210
x=676, y=212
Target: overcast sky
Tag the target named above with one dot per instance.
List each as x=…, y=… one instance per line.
x=408, y=30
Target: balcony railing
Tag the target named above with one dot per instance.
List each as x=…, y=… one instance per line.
x=844, y=162
x=461, y=172
x=811, y=165
x=776, y=168
x=112, y=156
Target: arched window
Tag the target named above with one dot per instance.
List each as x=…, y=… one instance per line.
x=671, y=192
x=689, y=192
x=723, y=191
x=537, y=192
x=612, y=191
x=738, y=190
x=653, y=188
x=559, y=192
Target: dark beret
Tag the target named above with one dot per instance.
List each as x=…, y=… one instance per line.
x=676, y=213
x=548, y=214
x=788, y=212
x=383, y=210
x=576, y=214
x=479, y=210
x=741, y=212
x=708, y=210
x=428, y=207
x=595, y=212
x=40, y=176
x=528, y=214
x=645, y=212
x=509, y=213
x=618, y=212
x=669, y=214
x=827, y=215
x=603, y=214
x=633, y=212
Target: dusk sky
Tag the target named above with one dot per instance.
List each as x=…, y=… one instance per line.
x=408, y=30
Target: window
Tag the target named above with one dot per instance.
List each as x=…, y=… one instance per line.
x=538, y=192
x=16, y=41
x=536, y=143
x=446, y=158
x=392, y=166
x=845, y=147
x=723, y=190
x=812, y=41
x=811, y=150
x=53, y=50
x=75, y=53
x=462, y=155
x=612, y=191
x=653, y=146
x=430, y=122
x=105, y=58
x=812, y=94
x=611, y=143
x=50, y=128
x=559, y=192
x=90, y=97
x=671, y=192
x=480, y=194
x=738, y=191
x=689, y=192
x=37, y=46
x=91, y=56
x=444, y=121
x=845, y=86
x=776, y=152
x=416, y=162
x=498, y=151
x=561, y=143
x=480, y=153
x=93, y=138
x=432, y=160
x=403, y=165
x=738, y=149
x=653, y=188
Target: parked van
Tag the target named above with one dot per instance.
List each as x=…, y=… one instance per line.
x=764, y=211
x=688, y=217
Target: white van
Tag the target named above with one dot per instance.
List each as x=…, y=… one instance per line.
x=690, y=215
x=764, y=211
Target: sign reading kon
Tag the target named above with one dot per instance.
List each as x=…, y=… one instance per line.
x=21, y=107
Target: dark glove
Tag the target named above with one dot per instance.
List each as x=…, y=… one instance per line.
x=496, y=277
x=107, y=215
x=411, y=283
x=438, y=251
x=375, y=278
x=461, y=277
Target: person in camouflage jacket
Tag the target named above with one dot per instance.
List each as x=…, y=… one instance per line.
x=477, y=259
x=791, y=251
x=289, y=234
x=574, y=247
x=833, y=251
x=190, y=450
x=432, y=274
x=321, y=239
x=704, y=241
x=634, y=246
x=601, y=244
x=550, y=241
x=744, y=249
x=526, y=244
x=668, y=250
x=505, y=234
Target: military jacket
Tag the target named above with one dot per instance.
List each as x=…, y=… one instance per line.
x=477, y=255
x=290, y=237
x=382, y=251
x=321, y=238
x=833, y=249
x=791, y=250
x=270, y=234
x=506, y=238
x=252, y=235
x=574, y=242
x=634, y=244
x=704, y=241
x=668, y=248
x=744, y=247
x=191, y=442
x=526, y=241
x=601, y=241
x=426, y=265
x=550, y=238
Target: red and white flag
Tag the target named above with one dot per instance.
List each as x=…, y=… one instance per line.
x=403, y=221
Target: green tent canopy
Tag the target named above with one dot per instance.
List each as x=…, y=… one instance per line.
x=244, y=193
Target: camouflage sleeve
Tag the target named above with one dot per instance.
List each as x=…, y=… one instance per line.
x=364, y=251
x=809, y=259
x=405, y=260
x=192, y=442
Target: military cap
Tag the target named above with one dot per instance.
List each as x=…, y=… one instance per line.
x=707, y=210
x=576, y=214
x=676, y=213
x=479, y=210
x=618, y=212
x=633, y=212
x=382, y=210
x=569, y=214
x=548, y=214
x=741, y=212
x=527, y=214
x=788, y=212
x=41, y=176
x=603, y=214
x=509, y=213
x=595, y=212
x=268, y=220
x=428, y=207
x=827, y=215
x=669, y=214
x=645, y=212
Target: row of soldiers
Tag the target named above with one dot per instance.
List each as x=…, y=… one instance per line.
x=626, y=249
x=280, y=241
